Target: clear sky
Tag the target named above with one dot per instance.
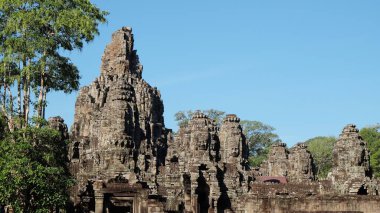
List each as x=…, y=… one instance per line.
x=306, y=67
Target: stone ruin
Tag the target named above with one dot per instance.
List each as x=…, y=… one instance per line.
x=211, y=163
x=119, y=138
x=125, y=160
x=295, y=164
x=351, y=164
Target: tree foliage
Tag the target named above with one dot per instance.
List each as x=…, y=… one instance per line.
x=321, y=149
x=33, y=35
x=260, y=138
x=33, y=172
x=183, y=117
x=372, y=136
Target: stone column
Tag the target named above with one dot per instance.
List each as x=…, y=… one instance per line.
x=99, y=196
x=142, y=200
x=194, y=185
x=194, y=203
x=99, y=202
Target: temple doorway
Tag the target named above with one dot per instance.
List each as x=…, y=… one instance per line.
x=121, y=209
x=120, y=205
x=362, y=191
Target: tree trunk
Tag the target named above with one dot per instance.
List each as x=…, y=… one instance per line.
x=10, y=114
x=4, y=96
x=26, y=94
x=40, y=97
x=24, y=88
x=44, y=104
x=42, y=87
x=19, y=94
x=27, y=105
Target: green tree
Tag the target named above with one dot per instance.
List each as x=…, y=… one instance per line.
x=183, y=117
x=33, y=37
x=260, y=138
x=33, y=34
x=322, y=149
x=372, y=136
x=33, y=172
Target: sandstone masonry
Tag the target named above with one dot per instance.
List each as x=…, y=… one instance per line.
x=126, y=160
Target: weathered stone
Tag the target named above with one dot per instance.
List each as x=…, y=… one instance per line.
x=351, y=168
x=212, y=164
x=301, y=165
x=296, y=164
x=118, y=127
x=58, y=124
x=277, y=163
x=125, y=160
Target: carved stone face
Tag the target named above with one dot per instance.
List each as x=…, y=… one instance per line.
x=199, y=134
x=123, y=92
x=203, y=139
x=235, y=152
x=234, y=139
x=231, y=139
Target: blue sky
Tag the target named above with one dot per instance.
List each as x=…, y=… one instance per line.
x=305, y=67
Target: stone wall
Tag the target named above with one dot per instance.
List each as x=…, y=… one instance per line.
x=320, y=204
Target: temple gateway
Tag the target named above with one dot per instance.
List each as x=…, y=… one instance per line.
x=125, y=160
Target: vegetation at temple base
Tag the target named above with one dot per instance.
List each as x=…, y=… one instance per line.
x=34, y=34
x=33, y=169
x=321, y=149
x=260, y=136
x=371, y=135
x=33, y=37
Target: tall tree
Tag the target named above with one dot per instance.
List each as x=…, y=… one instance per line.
x=371, y=135
x=260, y=138
x=33, y=36
x=321, y=149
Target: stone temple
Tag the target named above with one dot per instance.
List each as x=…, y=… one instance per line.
x=125, y=160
